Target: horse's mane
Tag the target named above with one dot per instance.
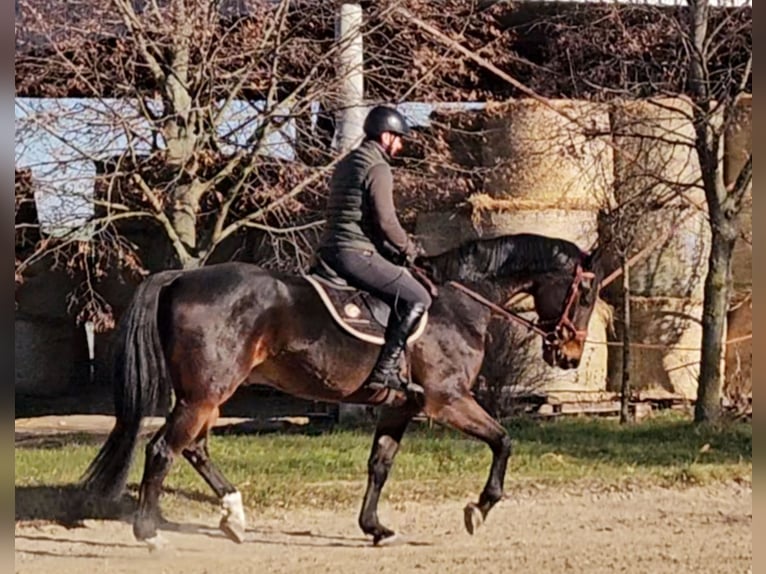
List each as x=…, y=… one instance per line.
x=519, y=255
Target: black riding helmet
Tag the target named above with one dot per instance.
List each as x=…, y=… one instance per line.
x=384, y=119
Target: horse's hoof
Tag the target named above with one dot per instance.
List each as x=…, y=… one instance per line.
x=234, y=531
x=233, y=519
x=473, y=518
x=156, y=542
x=388, y=539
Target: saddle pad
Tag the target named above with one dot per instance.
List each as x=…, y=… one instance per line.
x=360, y=314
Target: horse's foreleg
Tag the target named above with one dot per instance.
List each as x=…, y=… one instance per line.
x=184, y=424
x=467, y=415
x=392, y=423
x=233, y=521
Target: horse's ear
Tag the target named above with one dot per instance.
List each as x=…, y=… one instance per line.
x=592, y=258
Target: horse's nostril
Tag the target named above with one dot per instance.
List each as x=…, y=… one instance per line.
x=568, y=362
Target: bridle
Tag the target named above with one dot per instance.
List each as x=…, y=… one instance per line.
x=556, y=336
x=553, y=337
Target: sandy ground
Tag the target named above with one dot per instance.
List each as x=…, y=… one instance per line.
x=700, y=530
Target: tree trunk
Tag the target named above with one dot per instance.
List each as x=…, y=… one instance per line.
x=708, y=406
x=183, y=216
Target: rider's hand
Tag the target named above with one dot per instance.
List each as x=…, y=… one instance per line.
x=411, y=252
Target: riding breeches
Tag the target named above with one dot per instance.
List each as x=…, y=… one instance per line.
x=373, y=273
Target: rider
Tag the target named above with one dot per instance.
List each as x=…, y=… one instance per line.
x=364, y=243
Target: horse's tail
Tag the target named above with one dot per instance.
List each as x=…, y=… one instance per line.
x=140, y=378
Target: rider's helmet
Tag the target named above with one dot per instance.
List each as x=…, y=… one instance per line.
x=384, y=119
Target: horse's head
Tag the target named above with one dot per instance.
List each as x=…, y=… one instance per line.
x=564, y=302
x=563, y=281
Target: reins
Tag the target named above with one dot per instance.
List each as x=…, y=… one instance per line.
x=564, y=320
x=498, y=309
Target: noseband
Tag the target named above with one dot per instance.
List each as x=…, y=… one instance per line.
x=554, y=337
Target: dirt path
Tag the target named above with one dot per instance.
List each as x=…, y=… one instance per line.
x=700, y=530
x=696, y=530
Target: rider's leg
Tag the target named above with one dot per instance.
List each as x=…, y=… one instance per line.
x=402, y=321
x=406, y=296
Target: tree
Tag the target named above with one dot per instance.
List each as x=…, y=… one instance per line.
x=191, y=101
x=701, y=53
x=197, y=121
x=186, y=114
x=715, y=94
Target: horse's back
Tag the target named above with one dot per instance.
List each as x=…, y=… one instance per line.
x=223, y=280
x=224, y=298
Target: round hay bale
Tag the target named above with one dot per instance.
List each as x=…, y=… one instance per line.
x=505, y=217
x=677, y=267
x=460, y=134
x=654, y=157
x=447, y=160
x=738, y=385
x=738, y=138
x=658, y=181
x=737, y=147
x=441, y=231
x=666, y=338
x=514, y=357
x=534, y=151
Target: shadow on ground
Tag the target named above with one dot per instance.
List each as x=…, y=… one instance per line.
x=68, y=505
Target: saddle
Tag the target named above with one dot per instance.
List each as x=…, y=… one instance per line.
x=358, y=312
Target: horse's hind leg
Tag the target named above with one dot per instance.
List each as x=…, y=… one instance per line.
x=183, y=426
x=392, y=423
x=233, y=520
x=466, y=414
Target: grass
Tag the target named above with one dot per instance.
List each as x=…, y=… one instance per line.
x=329, y=470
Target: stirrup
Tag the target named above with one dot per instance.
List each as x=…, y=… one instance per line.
x=409, y=387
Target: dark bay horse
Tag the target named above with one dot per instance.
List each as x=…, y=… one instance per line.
x=202, y=333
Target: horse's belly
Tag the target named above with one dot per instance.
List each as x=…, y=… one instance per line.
x=325, y=376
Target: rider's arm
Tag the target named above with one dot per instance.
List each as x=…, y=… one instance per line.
x=381, y=186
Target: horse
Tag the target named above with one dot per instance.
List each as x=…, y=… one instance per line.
x=202, y=333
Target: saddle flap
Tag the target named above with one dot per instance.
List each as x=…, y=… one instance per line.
x=359, y=313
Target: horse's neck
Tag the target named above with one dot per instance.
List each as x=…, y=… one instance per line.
x=444, y=269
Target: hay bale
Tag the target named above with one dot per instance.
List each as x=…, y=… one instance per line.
x=738, y=138
x=737, y=147
x=492, y=217
x=461, y=134
x=441, y=231
x=654, y=154
x=657, y=174
x=672, y=330
x=535, y=152
x=448, y=157
x=678, y=267
x=738, y=385
x=514, y=357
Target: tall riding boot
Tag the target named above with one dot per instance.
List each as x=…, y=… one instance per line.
x=386, y=372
